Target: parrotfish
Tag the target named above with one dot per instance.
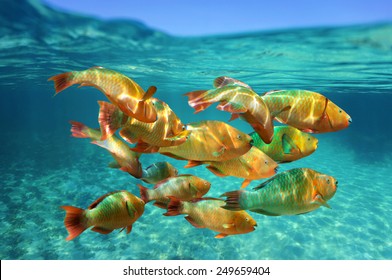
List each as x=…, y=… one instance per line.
x=208, y=213
x=159, y=171
x=167, y=130
x=306, y=110
x=114, y=210
x=288, y=144
x=118, y=88
x=125, y=159
x=237, y=99
x=210, y=141
x=252, y=165
x=184, y=187
x=296, y=191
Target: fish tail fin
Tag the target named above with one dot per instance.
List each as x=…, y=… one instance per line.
x=74, y=221
x=62, y=81
x=144, y=193
x=109, y=119
x=79, y=130
x=232, y=201
x=196, y=100
x=175, y=207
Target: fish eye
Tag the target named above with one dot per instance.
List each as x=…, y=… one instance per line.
x=184, y=127
x=247, y=219
x=340, y=111
x=328, y=181
x=266, y=162
x=308, y=138
x=239, y=137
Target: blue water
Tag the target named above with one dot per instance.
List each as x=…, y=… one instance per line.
x=42, y=167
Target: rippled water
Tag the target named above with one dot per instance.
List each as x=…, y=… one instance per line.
x=41, y=167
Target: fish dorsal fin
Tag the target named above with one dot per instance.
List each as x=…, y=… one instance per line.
x=224, y=81
x=271, y=91
x=289, y=147
x=149, y=93
x=96, y=202
x=97, y=67
x=195, y=200
x=264, y=184
x=261, y=211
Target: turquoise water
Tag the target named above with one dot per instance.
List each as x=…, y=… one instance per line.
x=42, y=167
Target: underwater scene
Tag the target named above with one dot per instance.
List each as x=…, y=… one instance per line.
x=44, y=166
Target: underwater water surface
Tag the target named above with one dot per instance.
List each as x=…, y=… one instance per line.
x=42, y=167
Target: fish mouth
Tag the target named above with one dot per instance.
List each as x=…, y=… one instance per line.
x=276, y=169
x=349, y=120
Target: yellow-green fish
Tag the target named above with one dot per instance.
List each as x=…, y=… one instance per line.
x=237, y=99
x=118, y=88
x=167, y=130
x=125, y=159
x=208, y=213
x=306, y=110
x=288, y=144
x=184, y=187
x=114, y=210
x=252, y=165
x=296, y=191
x=210, y=141
x=159, y=171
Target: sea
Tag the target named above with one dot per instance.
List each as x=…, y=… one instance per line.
x=42, y=167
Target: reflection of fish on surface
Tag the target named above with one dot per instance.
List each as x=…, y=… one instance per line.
x=125, y=159
x=240, y=100
x=252, y=165
x=296, y=191
x=210, y=141
x=208, y=213
x=306, y=110
x=184, y=187
x=118, y=88
x=159, y=171
x=114, y=210
x=167, y=130
x=288, y=144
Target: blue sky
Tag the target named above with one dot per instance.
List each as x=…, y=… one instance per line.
x=206, y=17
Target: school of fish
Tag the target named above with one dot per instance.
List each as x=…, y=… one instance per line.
x=147, y=125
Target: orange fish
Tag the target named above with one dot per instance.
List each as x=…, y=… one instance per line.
x=208, y=213
x=237, y=99
x=296, y=191
x=125, y=159
x=118, y=88
x=252, y=165
x=114, y=210
x=306, y=110
x=183, y=187
x=210, y=141
x=167, y=130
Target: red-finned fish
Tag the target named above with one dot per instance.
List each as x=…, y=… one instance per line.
x=237, y=99
x=306, y=110
x=288, y=144
x=252, y=165
x=210, y=141
x=296, y=191
x=184, y=187
x=159, y=171
x=118, y=88
x=114, y=210
x=125, y=159
x=167, y=130
x=208, y=213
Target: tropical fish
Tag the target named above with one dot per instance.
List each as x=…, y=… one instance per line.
x=183, y=187
x=167, y=130
x=125, y=159
x=210, y=141
x=159, y=171
x=237, y=99
x=288, y=144
x=118, y=88
x=306, y=110
x=252, y=165
x=208, y=213
x=114, y=210
x=296, y=191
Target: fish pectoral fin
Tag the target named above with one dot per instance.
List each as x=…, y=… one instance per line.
x=219, y=152
x=128, y=135
x=227, y=226
x=193, y=222
x=114, y=164
x=178, y=137
x=319, y=200
x=193, y=163
x=221, y=235
x=102, y=230
x=224, y=81
x=216, y=171
x=160, y=204
x=231, y=107
x=234, y=117
x=276, y=114
x=143, y=147
x=245, y=183
x=129, y=229
x=289, y=147
x=131, y=209
x=149, y=93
